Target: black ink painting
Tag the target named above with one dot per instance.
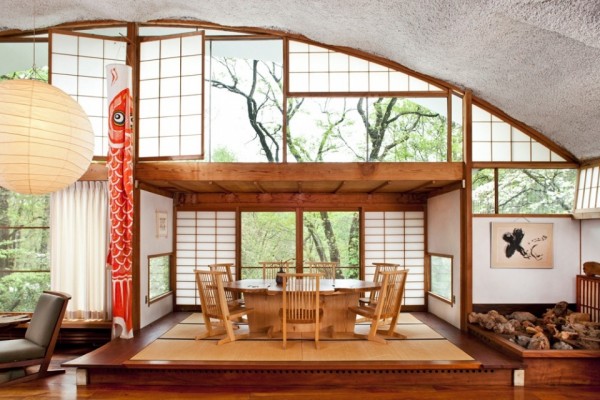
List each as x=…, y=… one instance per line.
x=522, y=245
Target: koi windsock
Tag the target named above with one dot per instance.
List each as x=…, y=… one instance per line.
x=120, y=187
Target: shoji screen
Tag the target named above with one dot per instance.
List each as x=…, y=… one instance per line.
x=203, y=237
x=398, y=237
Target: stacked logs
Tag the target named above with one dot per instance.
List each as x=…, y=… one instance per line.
x=559, y=328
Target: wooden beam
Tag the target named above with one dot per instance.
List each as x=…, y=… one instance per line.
x=421, y=186
x=219, y=186
x=340, y=186
x=95, y=172
x=269, y=172
x=259, y=187
x=179, y=187
x=153, y=189
x=377, y=188
x=329, y=200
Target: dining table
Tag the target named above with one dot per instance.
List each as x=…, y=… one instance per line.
x=264, y=296
x=8, y=321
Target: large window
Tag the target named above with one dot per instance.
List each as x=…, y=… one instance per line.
x=266, y=236
x=245, y=92
x=333, y=236
x=347, y=129
x=24, y=253
x=523, y=191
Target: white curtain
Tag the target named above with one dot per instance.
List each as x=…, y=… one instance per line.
x=78, y=248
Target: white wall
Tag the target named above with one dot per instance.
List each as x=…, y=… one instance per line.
x=443, y=237
x=590, y=240
x=150, y=244
x=545, y=286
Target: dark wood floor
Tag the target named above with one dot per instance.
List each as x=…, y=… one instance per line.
x=64, y=386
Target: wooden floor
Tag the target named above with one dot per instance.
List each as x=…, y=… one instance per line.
x=424, y=382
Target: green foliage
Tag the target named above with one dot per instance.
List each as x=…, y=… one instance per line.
x=268, y=236
x=24, y=231
x=340, y=243
x=536, y=191
x=159, y=275
x=524, y=191
x=40, y=74
x=19, y=291
x=483, y=191
x=223, y=154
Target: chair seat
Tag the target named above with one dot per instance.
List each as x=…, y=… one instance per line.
x=364, y=310
x=20, y=350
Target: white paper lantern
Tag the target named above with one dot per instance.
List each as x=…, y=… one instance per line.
x=46, y=139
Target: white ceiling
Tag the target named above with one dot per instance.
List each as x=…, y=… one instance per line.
x=537, y=60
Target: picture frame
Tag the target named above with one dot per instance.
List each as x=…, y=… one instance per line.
x=162, y=224
x=522, y=245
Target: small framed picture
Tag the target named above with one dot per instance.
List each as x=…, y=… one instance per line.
x=162, y=224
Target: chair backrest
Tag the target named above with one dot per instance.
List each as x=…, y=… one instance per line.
x=300, y=301
x=227, y=276
x=212, y=294
x=223, y=267
x=327, y=268
x=47, y=318
x=391, y=293
x=377, y=277
x=271, y=268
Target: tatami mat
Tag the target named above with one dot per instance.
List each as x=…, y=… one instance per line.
x=411, y=331
x=301, y=350
x=405, y=318
x=421, y=343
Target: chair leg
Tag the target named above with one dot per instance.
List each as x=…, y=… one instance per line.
x=372, y=336
x=284, y=333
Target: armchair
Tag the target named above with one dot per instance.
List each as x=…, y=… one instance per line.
x=37, y=347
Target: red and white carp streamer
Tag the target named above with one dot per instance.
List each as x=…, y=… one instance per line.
x=120, y=187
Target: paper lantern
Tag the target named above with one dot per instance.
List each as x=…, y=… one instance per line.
x=46, y=139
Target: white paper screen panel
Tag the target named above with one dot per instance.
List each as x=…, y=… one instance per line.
x=317, y=69
x=497, y=140
x=171, y=102
x=398, y=237
x=203, y=238
x=78, y=68
x=588, y=190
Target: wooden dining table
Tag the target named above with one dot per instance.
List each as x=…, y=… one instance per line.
x=8, y=321
x=264, y=296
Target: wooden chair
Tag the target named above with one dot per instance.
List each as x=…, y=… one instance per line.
x=271, y=268
x=301, y=303
x=227, y=268
x=379, y=267
x=215, y=306
x=223, y=267
x=37, y=347
x=388, y=305
x=328, y=269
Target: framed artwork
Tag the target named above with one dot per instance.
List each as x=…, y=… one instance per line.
x=522, y=245
x=161, y=224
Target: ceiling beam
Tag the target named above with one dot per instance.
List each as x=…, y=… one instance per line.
x=377, y=188
x=421, y=186
x=299, y=172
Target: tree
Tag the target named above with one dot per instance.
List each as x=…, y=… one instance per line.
x=395, y=130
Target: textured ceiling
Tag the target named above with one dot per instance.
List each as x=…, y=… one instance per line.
x=537, y=60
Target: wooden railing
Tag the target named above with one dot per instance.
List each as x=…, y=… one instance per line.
x=588, y=296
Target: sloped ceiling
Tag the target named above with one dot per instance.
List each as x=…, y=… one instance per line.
x=537, y=60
